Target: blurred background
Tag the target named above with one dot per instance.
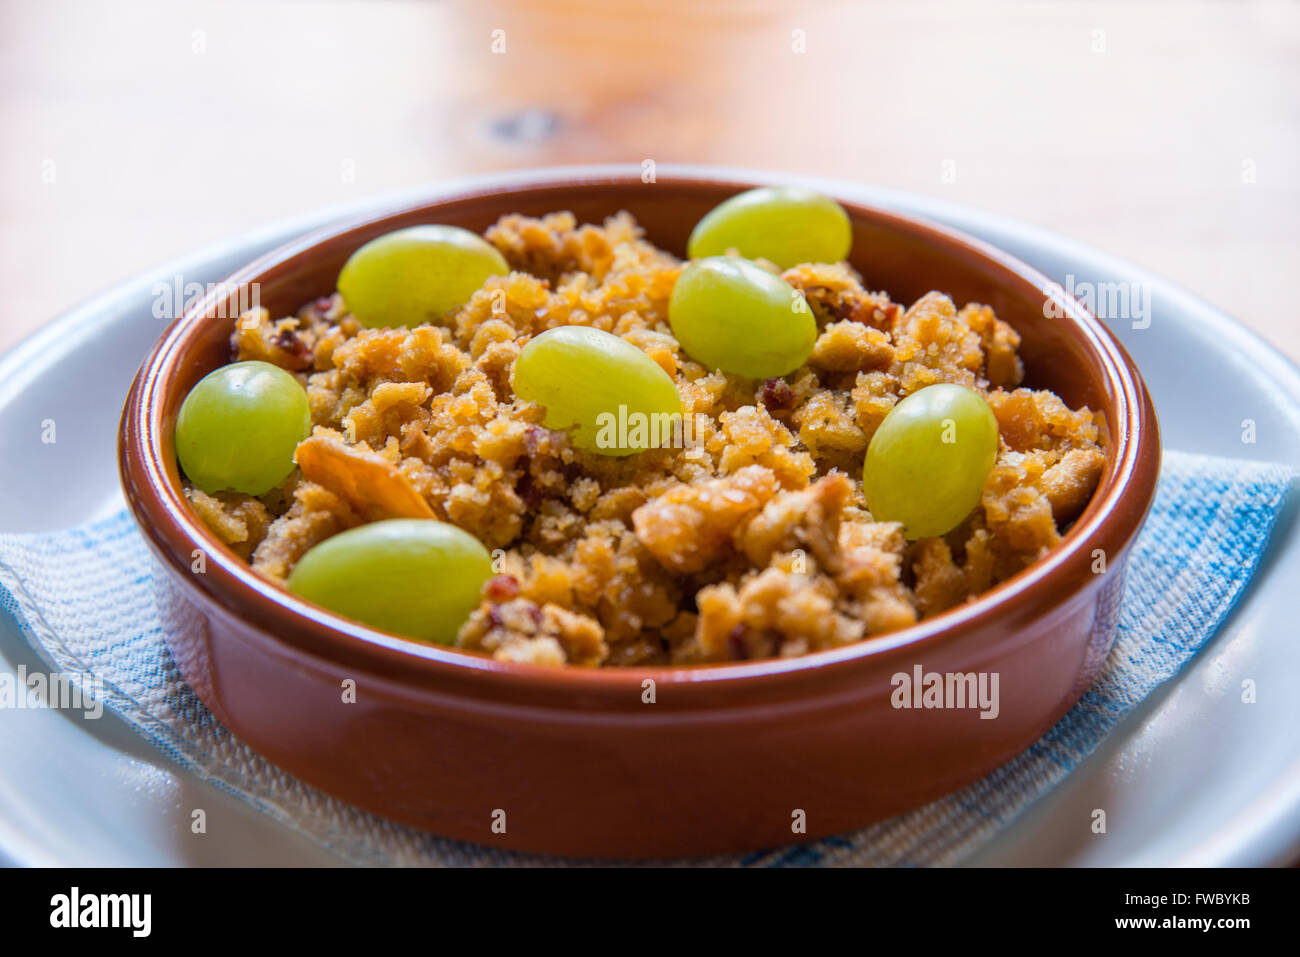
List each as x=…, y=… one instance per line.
x=1167, y=133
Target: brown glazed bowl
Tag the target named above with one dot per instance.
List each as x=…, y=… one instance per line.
x=581, y=761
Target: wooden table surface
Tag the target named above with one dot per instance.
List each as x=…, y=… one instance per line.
x=1166, y=133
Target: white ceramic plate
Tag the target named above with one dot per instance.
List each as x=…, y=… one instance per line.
x=1191, y=777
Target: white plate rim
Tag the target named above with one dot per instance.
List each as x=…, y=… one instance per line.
x=22, y=364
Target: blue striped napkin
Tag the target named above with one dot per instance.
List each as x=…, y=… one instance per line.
x=85, y=600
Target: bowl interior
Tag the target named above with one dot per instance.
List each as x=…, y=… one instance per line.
x=1073, y=356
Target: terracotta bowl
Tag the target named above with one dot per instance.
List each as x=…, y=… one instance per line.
x=727, y=756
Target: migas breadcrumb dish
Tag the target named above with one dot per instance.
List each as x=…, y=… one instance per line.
x=673, y=559
x=752, y=538
x=746, y=532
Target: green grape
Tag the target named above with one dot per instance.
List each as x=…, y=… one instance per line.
x=411, y=576
x=417, y=275
x=731, y=314
x=239, y=426
x=782, y=224
x=611, y=397
x=928, y=460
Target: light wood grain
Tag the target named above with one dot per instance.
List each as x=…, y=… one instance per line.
x=133, y=133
